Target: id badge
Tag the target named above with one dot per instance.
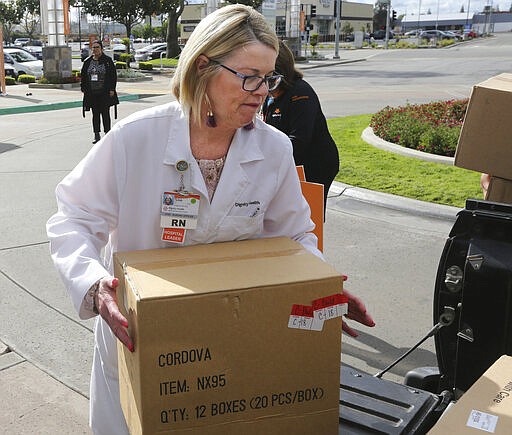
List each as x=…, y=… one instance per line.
x=94, y=77
x=179, y=210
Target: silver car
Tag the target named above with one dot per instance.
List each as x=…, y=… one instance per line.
x=23, y=62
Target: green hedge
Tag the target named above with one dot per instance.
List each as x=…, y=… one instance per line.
x=145, y=66
x=126, y=57
x=26, y=78
x=10, y=80
x=121, y=65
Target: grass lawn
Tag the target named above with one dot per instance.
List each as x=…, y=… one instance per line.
x=363, y=165
x=166, y=63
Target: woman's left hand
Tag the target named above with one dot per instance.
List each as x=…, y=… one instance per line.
x=357, y=312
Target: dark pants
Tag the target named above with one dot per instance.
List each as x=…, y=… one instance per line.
x=100, y=106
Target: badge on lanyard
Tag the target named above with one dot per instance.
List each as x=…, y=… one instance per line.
x=94, y=77
x=179, y=209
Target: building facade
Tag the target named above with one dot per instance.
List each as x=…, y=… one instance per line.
x=293, y=18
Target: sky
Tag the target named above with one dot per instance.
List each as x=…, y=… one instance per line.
x=445, y=6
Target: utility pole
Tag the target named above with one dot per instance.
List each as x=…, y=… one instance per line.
x=337, y=10
x=387, y=24
x=3, y=91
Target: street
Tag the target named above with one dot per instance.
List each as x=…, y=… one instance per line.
x=390, y=256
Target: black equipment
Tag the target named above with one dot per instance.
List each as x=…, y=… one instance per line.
x=472, y=329
x=474, y=279
x=370, y=405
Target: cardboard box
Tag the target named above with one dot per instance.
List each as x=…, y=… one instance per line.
x=485, y=142
x=485, y=408
x=217, y=350
x=499, y=190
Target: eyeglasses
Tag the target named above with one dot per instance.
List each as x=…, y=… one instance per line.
x=96, y=46
x=253, y=83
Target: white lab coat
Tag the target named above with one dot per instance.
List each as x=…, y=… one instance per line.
x=112, y=200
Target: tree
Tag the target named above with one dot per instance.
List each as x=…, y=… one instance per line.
x=380, y=12
x=126, y=12
x=31, y=11
x=256, y=4
x=173, y=9
x=347, y=29
x=10, y=15
x=313, y=40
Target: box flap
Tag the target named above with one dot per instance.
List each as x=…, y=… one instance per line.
x=168, y=257
x=199, y=269
x=501, y=82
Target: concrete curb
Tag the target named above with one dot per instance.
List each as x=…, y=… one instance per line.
x=394, y=202
x=324, y=63
x=369, y=137
x=57, y=106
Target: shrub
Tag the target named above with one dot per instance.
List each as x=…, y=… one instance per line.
x=432, y=127
x=59, y=80
x=26, y=78
x=445, y=42
x=121, y=65
x=145, y=66
x=125, y=57
x=441, y=140
x=10, y=80
x=129, y=74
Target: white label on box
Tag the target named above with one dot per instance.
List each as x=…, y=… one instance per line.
x=301, y=317
x=482, y=420
x=330, y=307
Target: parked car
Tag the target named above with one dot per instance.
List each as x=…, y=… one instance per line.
x=118, y=49
x=10, y=71
x=434, y=34
x=151, y=51
x=23, y=62
x=470, y=34
x=35, y=50
x=453, y=35
x=413, y=33
x=85, y=52
x=21, y=42
x=381, y=34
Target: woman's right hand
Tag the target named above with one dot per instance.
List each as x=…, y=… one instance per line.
x=106, y=303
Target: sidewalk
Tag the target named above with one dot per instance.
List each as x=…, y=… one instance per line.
x=24, y=98
x=34, y=402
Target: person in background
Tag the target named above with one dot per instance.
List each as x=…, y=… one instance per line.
x=294, y=109
x=209, y=142
x=98, y=84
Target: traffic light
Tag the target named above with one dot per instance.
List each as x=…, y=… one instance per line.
x=313, y=10
x=393, y=19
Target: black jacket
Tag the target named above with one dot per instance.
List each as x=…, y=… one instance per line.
x=298, y=114
x=108, y=85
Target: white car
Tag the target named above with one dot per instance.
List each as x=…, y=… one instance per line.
x=21, y=42
x=23, y=62
x=144, y=53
